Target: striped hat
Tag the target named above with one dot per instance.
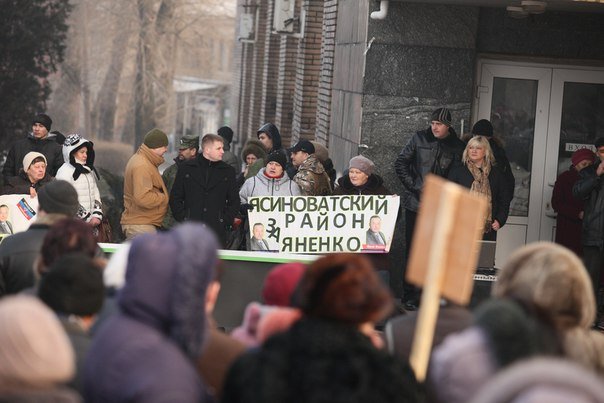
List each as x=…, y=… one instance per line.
x=442, y=115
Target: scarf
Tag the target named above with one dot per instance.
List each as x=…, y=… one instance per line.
x=82, y=169
x=481, y=186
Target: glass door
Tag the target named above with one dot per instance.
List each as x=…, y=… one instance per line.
x=577, y=120
x=542, y=114
x=515, y=99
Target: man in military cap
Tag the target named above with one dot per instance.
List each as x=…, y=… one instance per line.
x=188, y=148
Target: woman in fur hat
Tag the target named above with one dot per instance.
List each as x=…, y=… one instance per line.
x=360, y=179
x=78, y=169
x=253, y=155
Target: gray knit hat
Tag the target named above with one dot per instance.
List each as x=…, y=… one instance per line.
x=363, y=164
x=59, y=197
x=155, y=139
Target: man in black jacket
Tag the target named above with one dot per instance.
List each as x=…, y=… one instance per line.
x=433, y=150
x=590, y=188
x=205, y=189
x=38, y=140
x=57, y=200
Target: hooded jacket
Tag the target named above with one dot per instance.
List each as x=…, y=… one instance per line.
x=82, y=177
x=261, y=185
x=47, y=146
x=147, y=352
x=422, y=155
x=273, y=132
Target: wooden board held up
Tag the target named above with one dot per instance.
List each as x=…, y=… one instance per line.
x=460, y=254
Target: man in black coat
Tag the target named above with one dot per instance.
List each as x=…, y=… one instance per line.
x=431, y=151
x=57, y=200
x=38, y=140
x=205, y=189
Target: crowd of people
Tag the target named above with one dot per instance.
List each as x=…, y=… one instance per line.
x=139, y=327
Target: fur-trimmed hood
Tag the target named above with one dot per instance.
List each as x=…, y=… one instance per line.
x=166, y=280
x=253, y=146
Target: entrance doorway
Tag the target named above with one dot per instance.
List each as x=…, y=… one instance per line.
x=542, y=113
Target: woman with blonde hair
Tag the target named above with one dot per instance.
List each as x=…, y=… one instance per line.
x=480, y=174
x=543, y=305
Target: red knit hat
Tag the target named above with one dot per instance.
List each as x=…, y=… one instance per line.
x=581, y=155
x=281, y=282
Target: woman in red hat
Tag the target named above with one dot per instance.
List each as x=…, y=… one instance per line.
x=570, y=209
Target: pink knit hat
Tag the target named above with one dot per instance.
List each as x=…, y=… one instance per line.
x=582, y=155
x=281, y=282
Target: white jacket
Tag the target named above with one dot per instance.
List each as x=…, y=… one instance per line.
x=86, y=187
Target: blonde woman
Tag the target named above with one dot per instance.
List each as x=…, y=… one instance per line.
x=480, y=174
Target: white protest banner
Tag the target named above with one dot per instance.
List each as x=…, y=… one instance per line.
x=22, y=210
x=323, y=224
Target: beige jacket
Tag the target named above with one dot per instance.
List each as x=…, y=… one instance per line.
x=145, y=195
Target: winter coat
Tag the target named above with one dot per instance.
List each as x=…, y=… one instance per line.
x=20, y=184
x=422, y=155
x=589, y=189
x=80, y=341
x=47, y=146
x=568, y=207
x=145, y=195
x=500, y=198
x=312, y=178
x=18, y=253
x=319, y=361
x=85, y=185
x=206, y=191
x=261, y=185
x=374, y=186
x=147, y=351
x=503, y=164
x=399, y=331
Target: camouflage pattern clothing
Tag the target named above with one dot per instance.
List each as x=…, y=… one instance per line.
x=312, y=178
x=168, y=176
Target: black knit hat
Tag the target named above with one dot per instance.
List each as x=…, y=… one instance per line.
x=442, y=115
x=278, y=157
x=43, y=119
x=59, y=197
x=482, y=128
x=226, y=133
x=73, y=285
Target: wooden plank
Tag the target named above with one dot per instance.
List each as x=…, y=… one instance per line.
x=443, y=257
